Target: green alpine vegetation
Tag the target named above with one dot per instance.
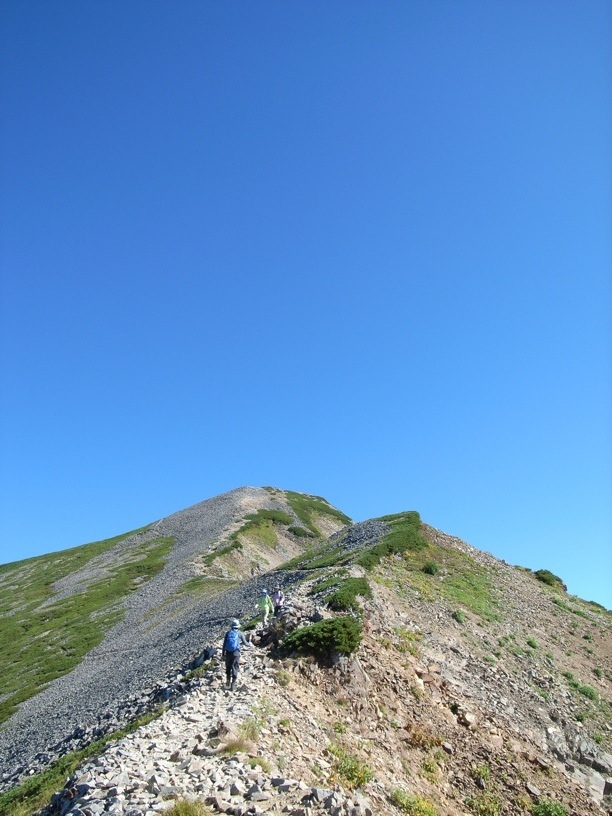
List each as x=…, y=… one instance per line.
x=42, y=638
x=404, y=536
x=334, y=635
x=467, y=586
x=260, y=525
x=308, y=508
x=344, y=599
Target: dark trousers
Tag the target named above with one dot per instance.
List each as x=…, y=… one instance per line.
x=232, y=664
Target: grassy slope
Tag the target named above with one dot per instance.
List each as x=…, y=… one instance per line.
x=41, y=639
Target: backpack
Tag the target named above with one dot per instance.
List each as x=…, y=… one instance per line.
x=232, y=641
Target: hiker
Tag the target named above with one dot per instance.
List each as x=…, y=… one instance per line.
x=278, y=599
x=264, y=604
x=232, y=641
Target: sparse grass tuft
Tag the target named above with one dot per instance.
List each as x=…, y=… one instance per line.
x=283, y=678
x=484, y=804
x=353, y=772
x=412, y=804
x=236, y=746
x=419, y=737
x=548, y=807
x=261, y=762
x=250, y=729
x=187, y=807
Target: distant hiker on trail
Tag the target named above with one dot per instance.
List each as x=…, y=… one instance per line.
x=265, y=606
x=278, y=599
x=232, y=641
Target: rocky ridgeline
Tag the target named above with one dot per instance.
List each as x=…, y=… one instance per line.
x=181, y=755
x=268, y=748
x=425, y=701
x=187, y=751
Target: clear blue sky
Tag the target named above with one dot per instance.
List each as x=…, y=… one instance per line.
x=357, y=249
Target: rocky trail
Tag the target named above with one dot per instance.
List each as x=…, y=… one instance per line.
x=360, y=737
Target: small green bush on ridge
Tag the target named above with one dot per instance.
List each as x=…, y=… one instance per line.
x=344, y=599
x=334, y=635
x=548, y=577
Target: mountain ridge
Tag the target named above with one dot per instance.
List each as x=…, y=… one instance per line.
x=508, y=651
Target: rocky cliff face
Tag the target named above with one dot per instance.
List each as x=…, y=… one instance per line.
x=476, y=689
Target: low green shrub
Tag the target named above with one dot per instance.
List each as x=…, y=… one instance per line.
x=408, y=641
x=431, y=568
x=405, y=535
x=334, y=635
x=331, y=582
x=587, y=691
x=548, y=807
x=275, y=516
x=344, y=599
x=300, y=532
x=548, y=577
x=480, y=771
x=458, y=616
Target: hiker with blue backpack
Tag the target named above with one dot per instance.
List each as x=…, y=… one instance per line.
x=232, y=642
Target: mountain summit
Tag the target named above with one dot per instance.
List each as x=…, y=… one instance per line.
x=410, y=672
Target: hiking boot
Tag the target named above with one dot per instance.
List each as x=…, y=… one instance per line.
x=233, y=686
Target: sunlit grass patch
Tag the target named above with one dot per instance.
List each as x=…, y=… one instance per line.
x=42, y=639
